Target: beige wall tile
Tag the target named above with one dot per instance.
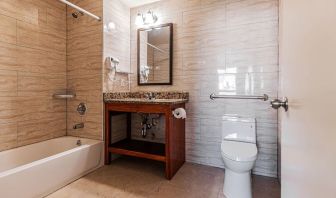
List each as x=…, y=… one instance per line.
x=32, y=68
x=8, y=57
x=8, y=83
x=33, y=36
x=8, y=134
x=85, y=70
x=7, y=29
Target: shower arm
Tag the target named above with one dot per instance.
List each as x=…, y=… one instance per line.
x=81, y=9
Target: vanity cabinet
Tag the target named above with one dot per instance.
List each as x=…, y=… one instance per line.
x=171, y=153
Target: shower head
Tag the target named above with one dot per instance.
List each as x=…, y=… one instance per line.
x=76, y=14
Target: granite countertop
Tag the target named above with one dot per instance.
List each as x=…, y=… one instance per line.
x=141, y=97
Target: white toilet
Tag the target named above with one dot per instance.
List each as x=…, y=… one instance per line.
x=239, y=152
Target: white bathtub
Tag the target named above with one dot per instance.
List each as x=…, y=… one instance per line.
x=39, y=169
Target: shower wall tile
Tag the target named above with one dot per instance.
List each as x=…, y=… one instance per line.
x=226, y=47
x=8, y=134
x=84, y=70
x=8, y=57
x=7, y=29
x=32, y=68
x=8, y=83
x=34, y=36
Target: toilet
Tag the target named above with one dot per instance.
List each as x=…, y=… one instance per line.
x=239, y=152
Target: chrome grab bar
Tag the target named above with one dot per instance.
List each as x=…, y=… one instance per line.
x=263, y=97
x=64, y=96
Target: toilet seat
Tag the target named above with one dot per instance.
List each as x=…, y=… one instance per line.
x=239, y=151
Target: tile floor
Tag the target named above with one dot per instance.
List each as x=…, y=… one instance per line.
x=138, y=178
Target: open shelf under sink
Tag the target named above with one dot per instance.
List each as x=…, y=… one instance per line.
x=136, y=148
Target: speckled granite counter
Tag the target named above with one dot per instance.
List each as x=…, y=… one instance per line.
x=142, y=97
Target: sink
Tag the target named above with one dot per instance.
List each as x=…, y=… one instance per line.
x=142, y=97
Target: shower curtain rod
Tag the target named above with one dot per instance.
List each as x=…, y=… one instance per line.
x=80, y=9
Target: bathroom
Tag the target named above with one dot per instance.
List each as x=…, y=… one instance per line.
x=167, y=98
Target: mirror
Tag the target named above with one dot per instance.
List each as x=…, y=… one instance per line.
x=155, y=59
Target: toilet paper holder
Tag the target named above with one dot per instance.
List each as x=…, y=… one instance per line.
x=179, y=113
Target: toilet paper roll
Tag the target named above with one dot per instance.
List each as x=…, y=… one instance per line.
x=180, y=113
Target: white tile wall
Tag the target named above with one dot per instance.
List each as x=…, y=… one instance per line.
x=221, y=46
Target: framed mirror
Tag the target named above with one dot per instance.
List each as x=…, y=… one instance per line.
x=155, y=55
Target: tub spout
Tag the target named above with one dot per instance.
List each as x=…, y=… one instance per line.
x=78, y=126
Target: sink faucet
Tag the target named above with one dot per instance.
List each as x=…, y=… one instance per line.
x=150, y=95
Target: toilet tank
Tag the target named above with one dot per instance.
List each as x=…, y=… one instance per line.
x=239, y=129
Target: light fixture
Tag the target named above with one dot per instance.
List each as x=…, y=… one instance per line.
x=109, y=27
x=148, y=19
x=139, y=20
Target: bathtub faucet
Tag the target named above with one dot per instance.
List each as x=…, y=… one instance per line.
x=78, y=126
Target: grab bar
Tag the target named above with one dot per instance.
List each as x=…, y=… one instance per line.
x=263, y=97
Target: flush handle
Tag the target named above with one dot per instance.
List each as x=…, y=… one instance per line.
x=277, y=103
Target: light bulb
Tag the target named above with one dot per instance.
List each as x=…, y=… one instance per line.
x=139, y=20
x=111, y=26
x=149, y=18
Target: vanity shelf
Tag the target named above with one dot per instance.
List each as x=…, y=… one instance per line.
x=171, y=152
x=136, y=148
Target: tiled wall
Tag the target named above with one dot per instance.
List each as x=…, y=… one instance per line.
x=84, y=69
x=228, y=47
x=117, y=45
x=32, y=69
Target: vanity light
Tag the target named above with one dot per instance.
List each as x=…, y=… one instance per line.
x=149, y=19
x=109, y=27
x=139, y=20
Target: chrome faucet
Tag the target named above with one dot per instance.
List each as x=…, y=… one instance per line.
x=78, y=126
x=150, y=95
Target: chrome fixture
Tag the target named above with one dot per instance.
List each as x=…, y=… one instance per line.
x=79, y=143
x=277, y=103
x=150, y=96
x=78, y=126
x=263, y=97
x=148, y=121
x=76, y=14
x=64, y=96
x=114, y=62
x=149, y=19
x=81, y=10
x=81, y=108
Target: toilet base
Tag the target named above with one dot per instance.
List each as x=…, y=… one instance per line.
x=237, y=185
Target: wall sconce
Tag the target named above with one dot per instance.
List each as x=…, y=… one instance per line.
x=109, y=27
x=148, y=19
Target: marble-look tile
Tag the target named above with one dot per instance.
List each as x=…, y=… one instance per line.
x=7, y=29
x=8, y=83
x=8, y=134
x=225, y=47
x=32, y=68
x=251, y=11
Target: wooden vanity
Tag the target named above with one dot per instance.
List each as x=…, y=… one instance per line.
x=171, y=153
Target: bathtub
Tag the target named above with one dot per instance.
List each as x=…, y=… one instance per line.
x=39, y=169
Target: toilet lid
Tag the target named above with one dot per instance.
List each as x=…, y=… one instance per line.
x=239, y=151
